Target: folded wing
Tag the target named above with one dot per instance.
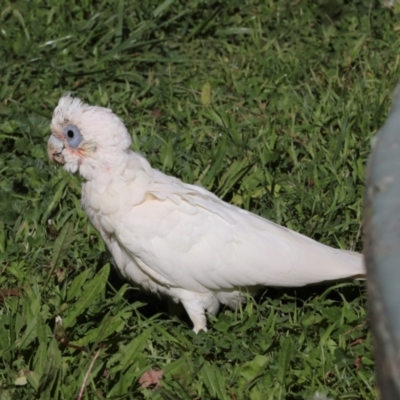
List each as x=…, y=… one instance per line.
x=190, y=239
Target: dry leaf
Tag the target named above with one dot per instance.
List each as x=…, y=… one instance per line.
x=357, y=363
x=150, y=378
x=8, y=293
x=21, y=380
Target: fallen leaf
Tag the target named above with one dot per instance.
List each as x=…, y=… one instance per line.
x=157, y=113
x=357, y=362
x=8, y=293
x=150, y=378
x=21, y=380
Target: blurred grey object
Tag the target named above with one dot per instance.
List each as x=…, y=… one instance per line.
x=389, y=3
x=382, y=250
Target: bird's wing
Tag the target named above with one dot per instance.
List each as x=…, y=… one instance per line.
x=187, y=237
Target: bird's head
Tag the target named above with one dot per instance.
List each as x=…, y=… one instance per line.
x=86, y=138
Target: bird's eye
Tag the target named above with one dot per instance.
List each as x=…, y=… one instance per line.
x=74, y=136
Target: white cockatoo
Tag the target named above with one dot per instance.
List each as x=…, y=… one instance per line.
x=174, y=238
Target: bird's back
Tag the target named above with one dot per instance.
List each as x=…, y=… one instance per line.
x=194, y=240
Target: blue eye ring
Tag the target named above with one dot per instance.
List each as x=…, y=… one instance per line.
x=73, y=136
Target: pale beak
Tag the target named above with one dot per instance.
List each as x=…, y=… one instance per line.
x=54, y=150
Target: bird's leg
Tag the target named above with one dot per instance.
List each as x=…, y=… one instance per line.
x=196, y=314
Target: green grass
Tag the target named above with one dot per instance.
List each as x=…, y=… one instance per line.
x=269, y=104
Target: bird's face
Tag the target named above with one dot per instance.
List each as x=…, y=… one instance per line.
x=66, y=145
x=85, y=137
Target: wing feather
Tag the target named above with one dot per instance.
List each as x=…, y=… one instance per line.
x=193, y=240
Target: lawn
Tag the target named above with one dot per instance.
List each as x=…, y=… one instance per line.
x=269, y=104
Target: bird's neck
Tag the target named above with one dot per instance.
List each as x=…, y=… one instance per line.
x=103, y=166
